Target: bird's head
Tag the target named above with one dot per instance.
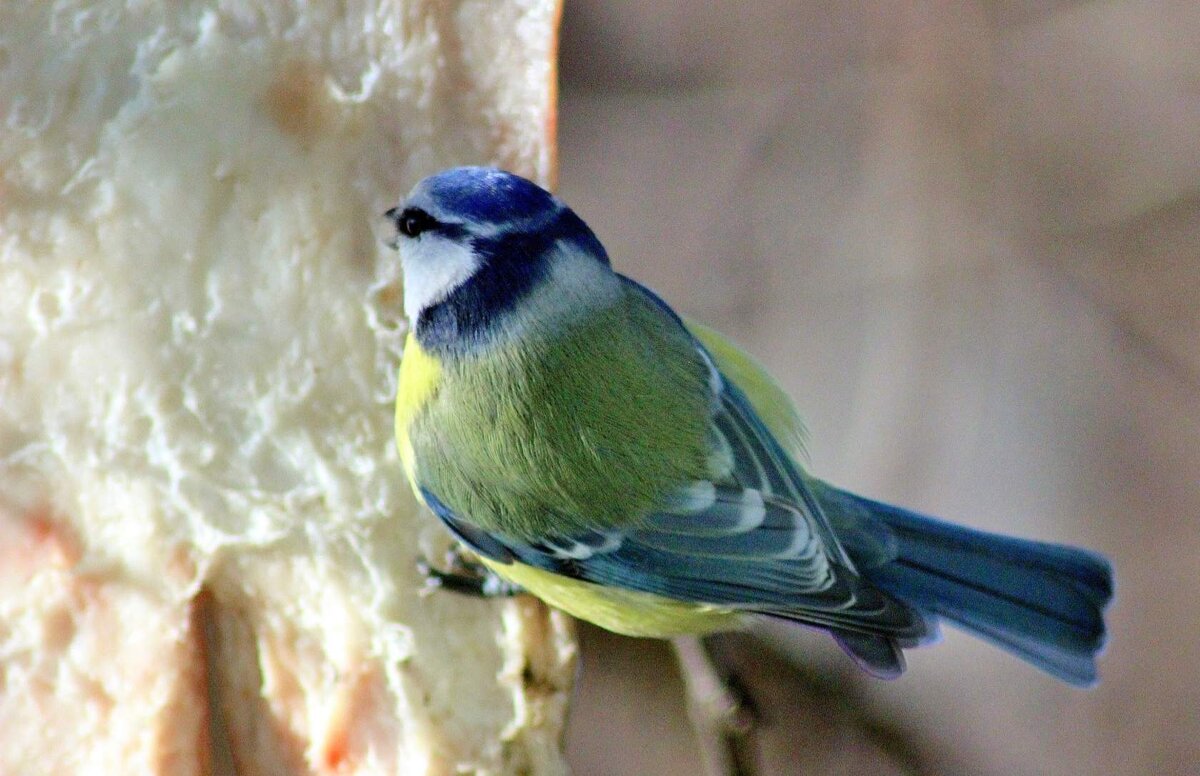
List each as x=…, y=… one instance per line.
x=476, y=242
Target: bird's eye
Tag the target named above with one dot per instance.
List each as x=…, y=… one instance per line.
x=413, y=220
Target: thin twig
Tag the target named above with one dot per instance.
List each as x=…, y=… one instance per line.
x=723, y=722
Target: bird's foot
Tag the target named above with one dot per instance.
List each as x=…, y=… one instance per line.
x=466, y=577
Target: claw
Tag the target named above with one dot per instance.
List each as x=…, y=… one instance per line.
x=465, y=577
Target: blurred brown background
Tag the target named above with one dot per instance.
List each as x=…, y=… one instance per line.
x=966, y=237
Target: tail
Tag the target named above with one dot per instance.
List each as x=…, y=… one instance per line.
x=1042, y=602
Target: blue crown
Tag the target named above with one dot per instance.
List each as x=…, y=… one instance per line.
x=486, y=195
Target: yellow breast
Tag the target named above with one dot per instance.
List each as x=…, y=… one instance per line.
x=417, y=386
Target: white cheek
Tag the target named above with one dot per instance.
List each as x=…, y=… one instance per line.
x=433, y=267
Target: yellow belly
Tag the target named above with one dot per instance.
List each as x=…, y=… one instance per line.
x=622, y=611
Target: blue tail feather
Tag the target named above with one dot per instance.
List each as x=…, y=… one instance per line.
x=1042, y=602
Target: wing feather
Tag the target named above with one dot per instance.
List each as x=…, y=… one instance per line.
x=753, y=537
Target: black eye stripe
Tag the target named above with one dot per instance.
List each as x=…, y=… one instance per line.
x=412, y=221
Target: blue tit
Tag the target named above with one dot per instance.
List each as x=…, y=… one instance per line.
x=639, y=471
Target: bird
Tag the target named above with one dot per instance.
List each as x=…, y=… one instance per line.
x=640, y=471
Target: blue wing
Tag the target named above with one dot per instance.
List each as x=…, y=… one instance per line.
x=751, y=537
x=739, y=550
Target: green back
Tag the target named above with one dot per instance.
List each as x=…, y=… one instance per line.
x=526, y=437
